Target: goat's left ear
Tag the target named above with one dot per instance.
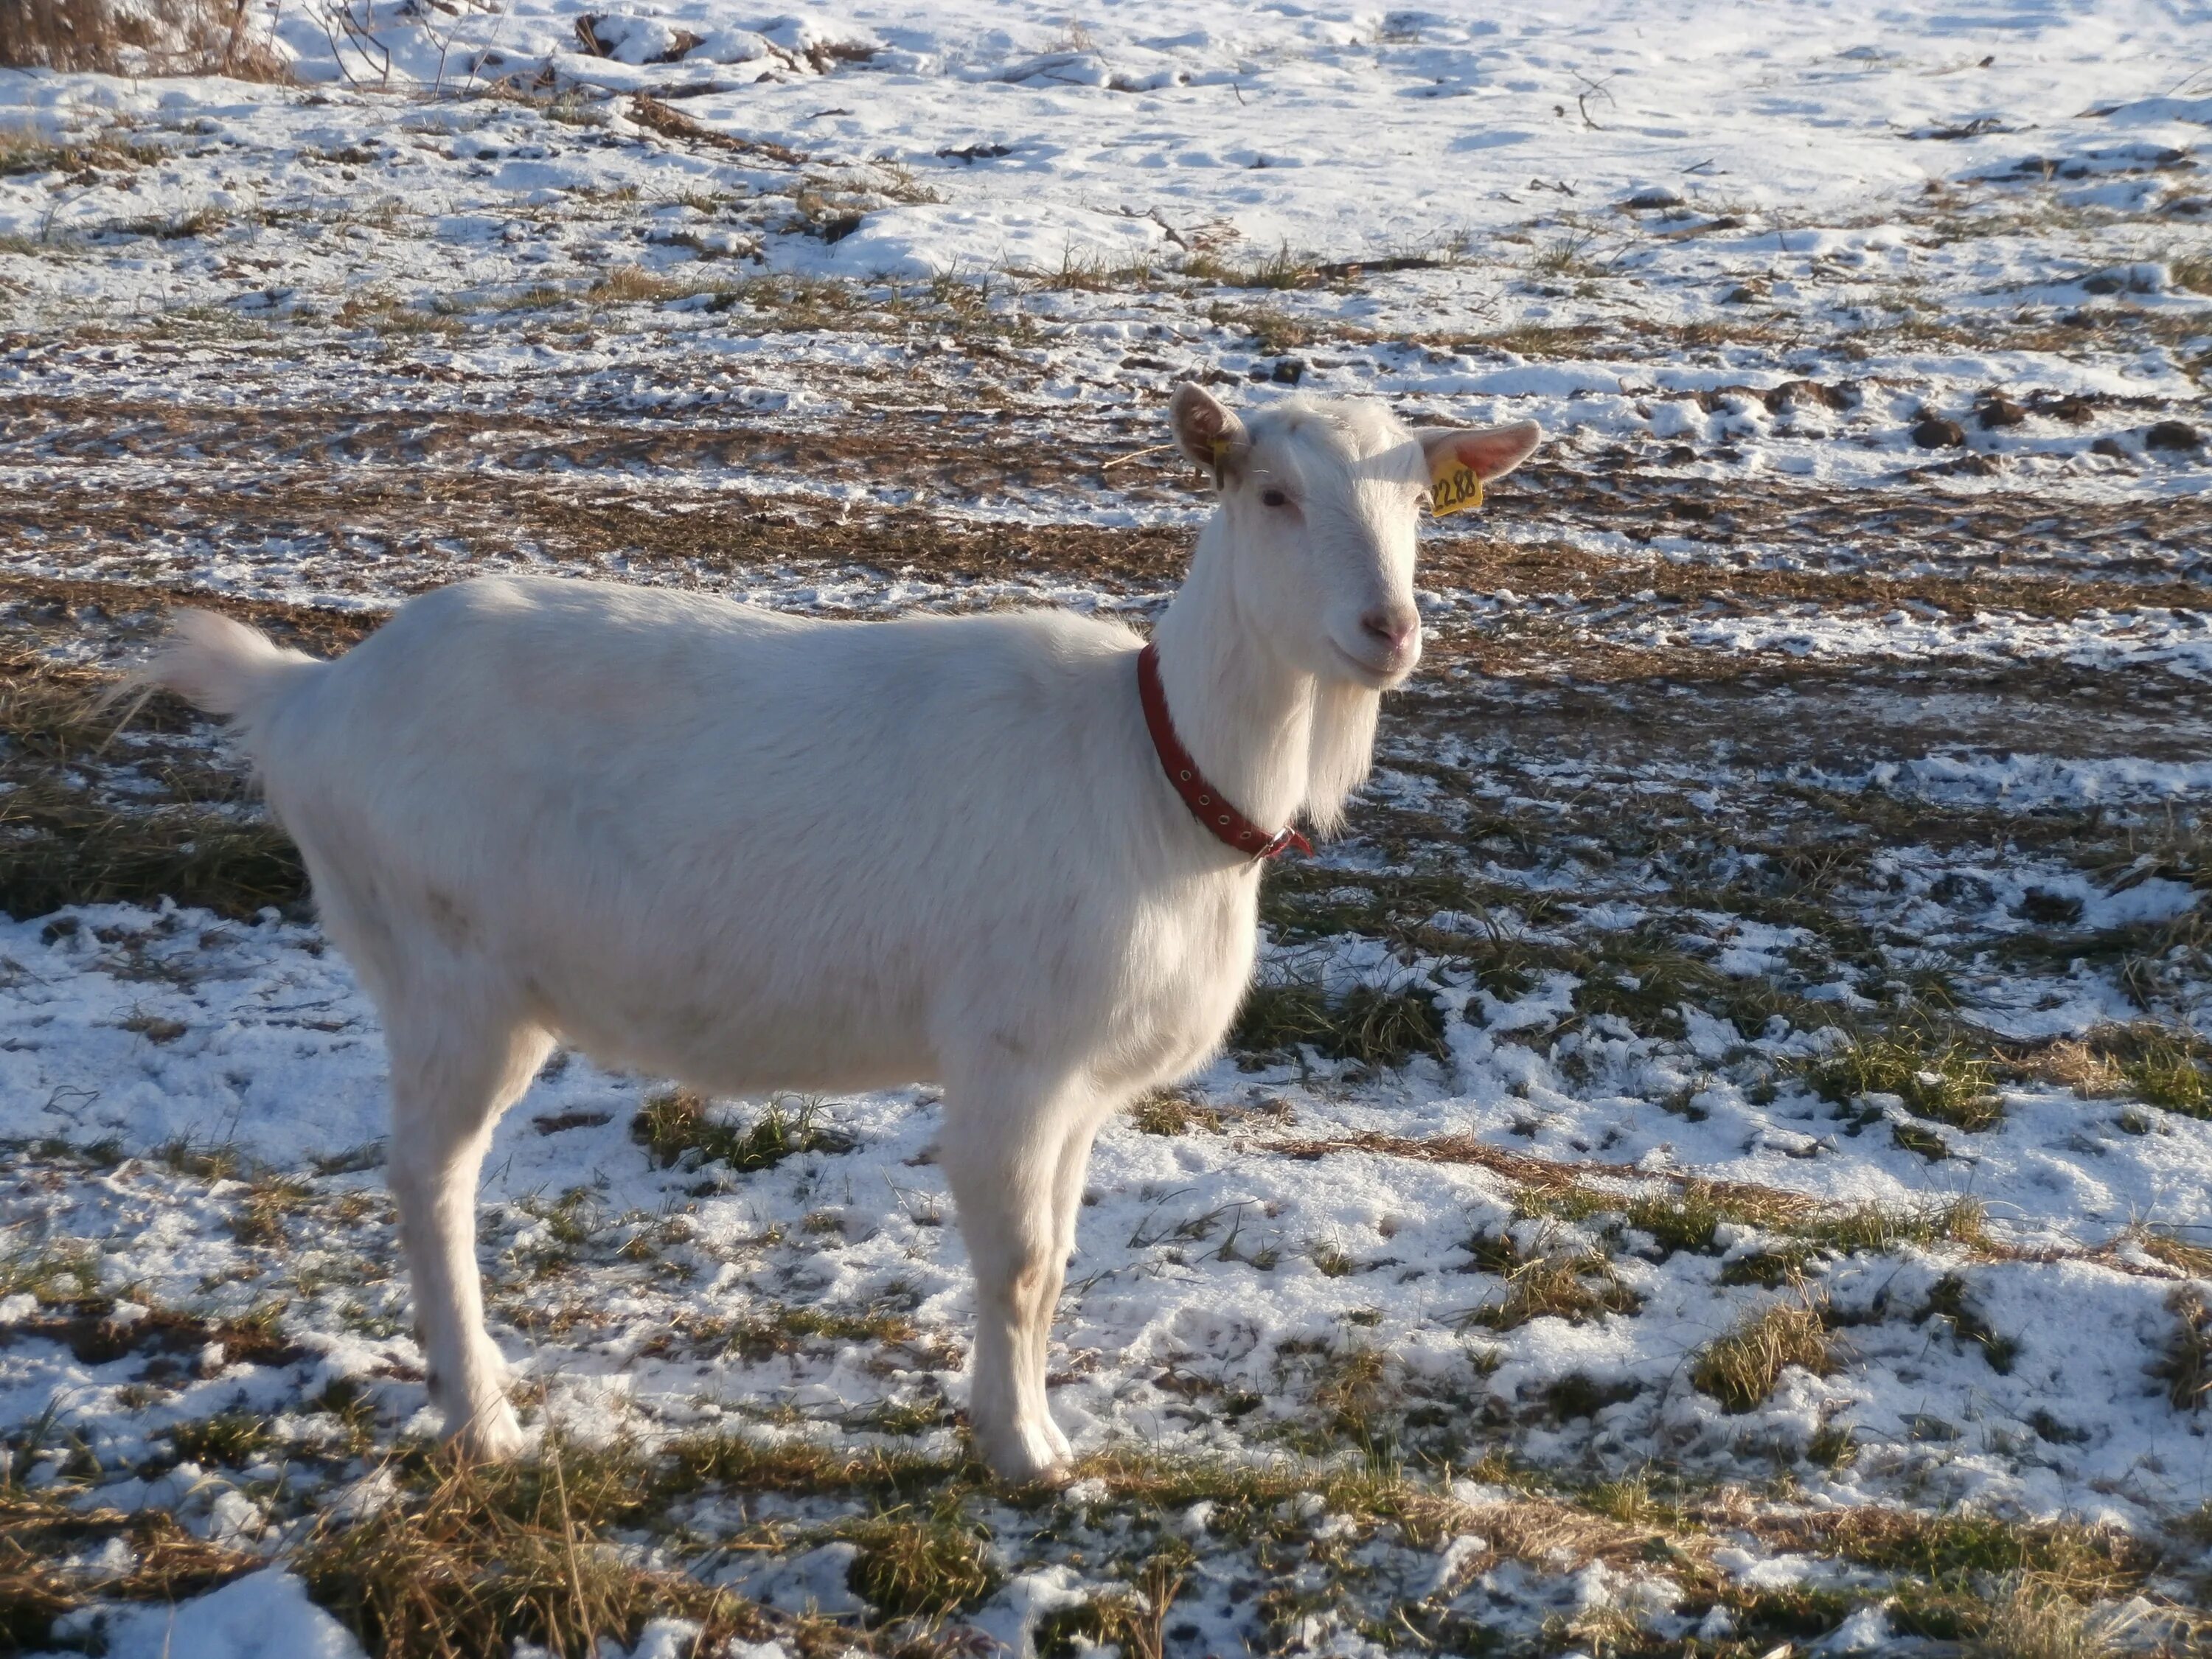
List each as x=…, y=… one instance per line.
x=1491, y=450
x=1205, y=429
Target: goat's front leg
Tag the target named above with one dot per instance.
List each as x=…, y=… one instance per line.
x=1066, y=1204
x=449, y=1085
x=1004, y=1152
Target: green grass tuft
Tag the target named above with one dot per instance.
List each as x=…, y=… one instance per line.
x=231, y=1439
x=1949, y=1083
x=1371, y=1026
x=1740, y=1368
x=677, y=1128
x=911, y=1566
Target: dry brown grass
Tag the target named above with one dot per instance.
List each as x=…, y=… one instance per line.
x=1174, y=1112
x=61, y=844
x=2077, y=1066
x=2033, y=1619
x=1574, y=1288
x=629, y=284
x=485, y=1557
x=916, y=1566
x=2089, y=1564
x=39, y=1529
x=2180, y=1253
x=2185, y=1368
x=157, y=37
x=1740, y=1368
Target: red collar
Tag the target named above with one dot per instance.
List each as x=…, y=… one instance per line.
x=1230, y=827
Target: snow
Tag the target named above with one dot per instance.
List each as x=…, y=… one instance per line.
x=901, y=283
x=264, y=1615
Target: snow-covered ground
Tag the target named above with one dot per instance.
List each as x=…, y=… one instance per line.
x=1783, y=894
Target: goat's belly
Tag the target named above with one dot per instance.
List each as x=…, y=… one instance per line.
x=737, y=1045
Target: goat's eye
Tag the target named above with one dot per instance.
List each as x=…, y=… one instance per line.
x=1273, y=498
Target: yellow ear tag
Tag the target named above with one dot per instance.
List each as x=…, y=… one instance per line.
x=1454, y=486
x=1220, y=449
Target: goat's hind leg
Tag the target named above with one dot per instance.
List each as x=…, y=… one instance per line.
x=454, y=1069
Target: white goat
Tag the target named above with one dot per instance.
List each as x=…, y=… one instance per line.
x=752, y=851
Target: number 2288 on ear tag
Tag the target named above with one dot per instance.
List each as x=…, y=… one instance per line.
x=1453, y=487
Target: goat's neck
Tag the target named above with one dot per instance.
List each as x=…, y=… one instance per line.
x=1255, y=725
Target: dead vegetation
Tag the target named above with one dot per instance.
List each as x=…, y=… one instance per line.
x=197, y=838
x=2185, y=1368
x=151, y=37
x=41, y=1530
x=1740, y=1368
x=479, y=1558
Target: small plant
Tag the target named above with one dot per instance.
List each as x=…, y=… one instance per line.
x=1948, y=1301
x=677, y=1128
x=1768, y=1268
x=151, y=37
x=1875, y=1228
x=1917, y=1137
x=911, y=1567
x=1576, y=1288
x=1371, y=1026
x=1350, y=1387
x=1740, y=1368
x=1134, y=1618
x=2180, y=1253
x=2185, y=1368
x=2079, y=1066
x=471, y=1558
x=230, y=1438
x=1331, y=1262
x=1280, y=269
x=1087, y=274
x=268, y=1200
x=1951, y=1084
x=2168, y=1074
x=1833, y=1446
x=629, y=284
x=787, y=1330
x=1173, y=1112
x=181, y=227
x=1573, y=253
x=2031, y=1617
x=57, y=1275
x=1683, y=1220
x=203, y=1163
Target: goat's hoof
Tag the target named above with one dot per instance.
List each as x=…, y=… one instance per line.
x=492, y=1435
x=1028, y=1458
x=1052, y=1476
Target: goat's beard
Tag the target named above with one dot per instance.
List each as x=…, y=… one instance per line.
x=1340, y=751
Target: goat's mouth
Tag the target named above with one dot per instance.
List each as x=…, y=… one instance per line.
x=1397, y=670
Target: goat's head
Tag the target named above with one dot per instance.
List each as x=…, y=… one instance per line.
x=1319, y=500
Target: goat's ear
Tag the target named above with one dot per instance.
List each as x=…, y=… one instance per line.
x=1491, y=450
x=1205, y=429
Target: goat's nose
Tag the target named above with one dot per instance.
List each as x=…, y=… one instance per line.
x=1391, y=627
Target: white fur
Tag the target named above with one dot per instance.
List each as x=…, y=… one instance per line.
x=756, y=852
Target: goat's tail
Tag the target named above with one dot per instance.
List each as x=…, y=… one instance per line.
x=224, y=667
